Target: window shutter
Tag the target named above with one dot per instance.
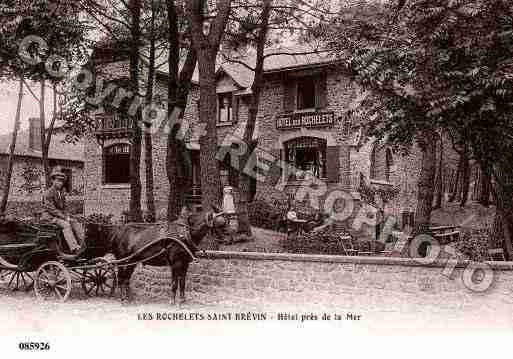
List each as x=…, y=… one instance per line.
x=289, y=97
x=333, y=163
x=235, y=109
x=321, y=96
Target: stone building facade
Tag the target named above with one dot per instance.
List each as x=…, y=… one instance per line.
x=28, y=181
x=306, y=119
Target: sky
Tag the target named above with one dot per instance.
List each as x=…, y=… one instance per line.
x=29, y=106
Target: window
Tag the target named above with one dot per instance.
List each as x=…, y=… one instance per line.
x=306, y=155
x=116, y=164
x=306, y=93
x=225, y=108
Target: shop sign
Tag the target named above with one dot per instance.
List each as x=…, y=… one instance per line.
x=306, y=119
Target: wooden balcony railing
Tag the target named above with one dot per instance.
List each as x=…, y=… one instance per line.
x=113, y=126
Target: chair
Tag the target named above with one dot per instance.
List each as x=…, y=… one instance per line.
x=361, y=252
x=349, y=249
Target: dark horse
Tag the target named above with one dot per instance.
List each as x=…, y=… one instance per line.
x=126, y=240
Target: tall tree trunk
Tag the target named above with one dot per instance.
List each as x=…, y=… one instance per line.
x=42, y=120
x=207, y=47
x=476, y=180
x=256, y=88
x=456, y=184
x=136, y=136
x=178, y=90
x=210, y=176
x=504, y=190
x=426, y=183
x=148, y=141
x=497, y=235
x=485, y=185
x=49, y=133
x=172, y=85
x=465, y=180
x=12, y=147
x=440, y=176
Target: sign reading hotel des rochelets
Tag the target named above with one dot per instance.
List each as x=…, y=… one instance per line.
x=305, y=119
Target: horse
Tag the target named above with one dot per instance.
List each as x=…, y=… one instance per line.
x=126, y=240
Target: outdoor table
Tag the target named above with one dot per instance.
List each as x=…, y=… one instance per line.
x=300, y=225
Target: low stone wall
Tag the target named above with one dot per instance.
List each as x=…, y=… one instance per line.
x=316, y=281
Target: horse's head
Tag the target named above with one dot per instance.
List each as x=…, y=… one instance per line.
x=212, y=221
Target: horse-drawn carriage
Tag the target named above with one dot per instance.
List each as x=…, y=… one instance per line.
x=34, y=255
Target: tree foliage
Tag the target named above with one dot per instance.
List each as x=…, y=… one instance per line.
x=438, y=64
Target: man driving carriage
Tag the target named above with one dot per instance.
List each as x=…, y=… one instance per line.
x=54, y=211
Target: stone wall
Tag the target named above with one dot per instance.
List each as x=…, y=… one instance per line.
x=353, y=158
x=25, y=188
x=340, y=92
x=391, y=284
x=114, y=199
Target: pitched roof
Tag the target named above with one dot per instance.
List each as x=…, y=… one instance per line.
x=59, y=149
x=278, y=59
x=281, y=59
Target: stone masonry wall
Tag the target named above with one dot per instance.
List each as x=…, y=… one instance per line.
x=340, y=92
x=24, y=189
x=305, y=281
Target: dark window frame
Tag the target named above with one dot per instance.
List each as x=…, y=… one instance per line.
x=293, y=146
x=220, y=98
x=117, y=154
x=306, y=84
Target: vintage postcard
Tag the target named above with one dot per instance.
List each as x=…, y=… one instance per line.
x=268, y=171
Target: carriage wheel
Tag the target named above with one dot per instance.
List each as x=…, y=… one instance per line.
x=53, y=281
x=101, y=281
x=16, y=280
x=20, y=281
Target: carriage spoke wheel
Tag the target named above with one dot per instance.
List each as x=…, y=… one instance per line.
x=20, y=281
x=53, y=281
x=16, y=280
x=101, y=281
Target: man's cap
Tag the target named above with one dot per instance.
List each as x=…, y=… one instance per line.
x=58, y=173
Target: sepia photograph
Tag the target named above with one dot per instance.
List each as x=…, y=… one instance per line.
x=302, y=178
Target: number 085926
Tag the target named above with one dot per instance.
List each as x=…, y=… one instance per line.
x=34, y=346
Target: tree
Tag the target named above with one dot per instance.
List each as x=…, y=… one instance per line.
x=439, y=188
x=485, y=184
x=455, y=190
x=38, y=41
x=179, y=83
x=382, y=56
x=454, y=59
x=260, y=26
x=206, y=40
x=12, y=147
x=465, y=180
x=148, y=141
